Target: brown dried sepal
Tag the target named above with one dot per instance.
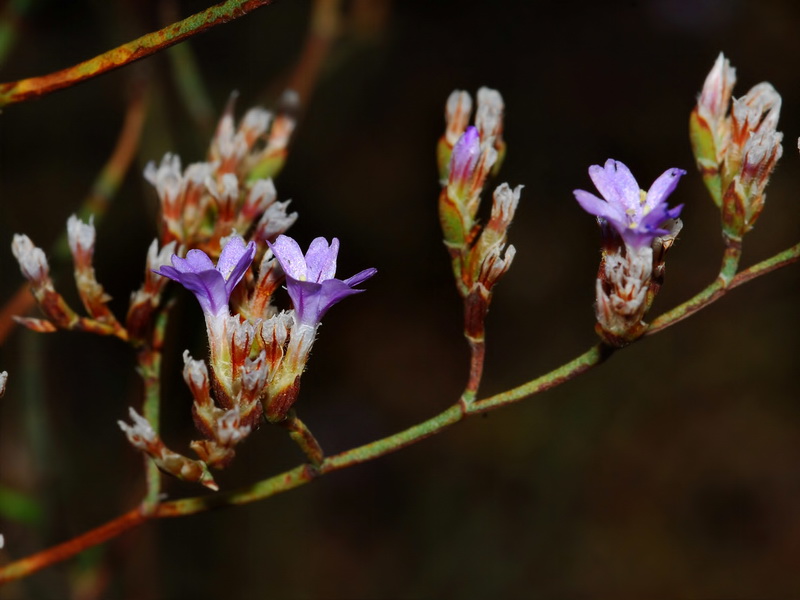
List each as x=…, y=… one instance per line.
x=279, y=404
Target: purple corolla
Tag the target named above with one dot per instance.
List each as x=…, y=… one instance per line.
x=212, y=285
x=310, y=278
x=634, y=214
x=465, y=156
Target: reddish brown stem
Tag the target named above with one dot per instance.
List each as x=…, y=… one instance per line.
x=35, y=87
x=96, y=536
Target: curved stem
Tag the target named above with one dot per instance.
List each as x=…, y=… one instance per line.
x=303, y=474
x=35, y=87
x=718, y=289
x=302, y=436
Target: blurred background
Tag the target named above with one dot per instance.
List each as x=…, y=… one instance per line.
x=672, y=470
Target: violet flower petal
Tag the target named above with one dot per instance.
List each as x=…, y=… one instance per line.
x=360, y=277
x=310, y=279
x=663, y=187
x=290, y=256
x=465, y=155
x=212, y=285
x=321, y=259
x=616, y=184
x=636, y=216
x=599, y=208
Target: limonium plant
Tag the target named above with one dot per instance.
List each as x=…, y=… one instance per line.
x=223, y=236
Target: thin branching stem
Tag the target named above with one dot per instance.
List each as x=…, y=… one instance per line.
x=35, y=87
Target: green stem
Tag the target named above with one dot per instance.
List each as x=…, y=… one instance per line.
x=150, y=370
x=730, y=261
x=477, y=349
x=302, y=436
x=35, y=87
x=717, y=289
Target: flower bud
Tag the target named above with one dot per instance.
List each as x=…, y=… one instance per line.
x=81, y=237
x=32, y=261
x=458, y=109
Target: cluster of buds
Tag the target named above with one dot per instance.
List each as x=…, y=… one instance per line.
x=736, y=145
x=637, y=230
x=467, y=155
x=233, y=189
x=143, y=437
x=59, y=315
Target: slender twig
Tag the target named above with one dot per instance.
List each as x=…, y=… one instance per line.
x=718, y=289
x=35, y=87
x=303, y=474
x=149, y=359
x=302, y=436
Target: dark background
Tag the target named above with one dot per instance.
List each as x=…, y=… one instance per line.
x=672, y=470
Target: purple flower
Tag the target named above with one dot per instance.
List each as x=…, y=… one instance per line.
x=212, y=285
x=310, y=278
x=635, y=215
x=465, y=156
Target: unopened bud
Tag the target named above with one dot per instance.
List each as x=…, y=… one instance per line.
x=715, y=98
x=489, y=116
x=32, y=261
x=254, y=124
x=262, y=194
x=81, y=237
x=275, y=221
x=229, y=429
x=457, y=113
x=3, y=382
x=195, y=374
x=141, y=434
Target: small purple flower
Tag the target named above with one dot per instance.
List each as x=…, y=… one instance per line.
x=310, y=278
x=635, y=215
x=465, y=156
x=212, y=285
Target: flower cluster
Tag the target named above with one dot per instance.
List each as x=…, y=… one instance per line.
x=737, y=145
x=233, y=189
x=638, y=228
x=256, y=364
x=225, y=213
x=467, y=156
